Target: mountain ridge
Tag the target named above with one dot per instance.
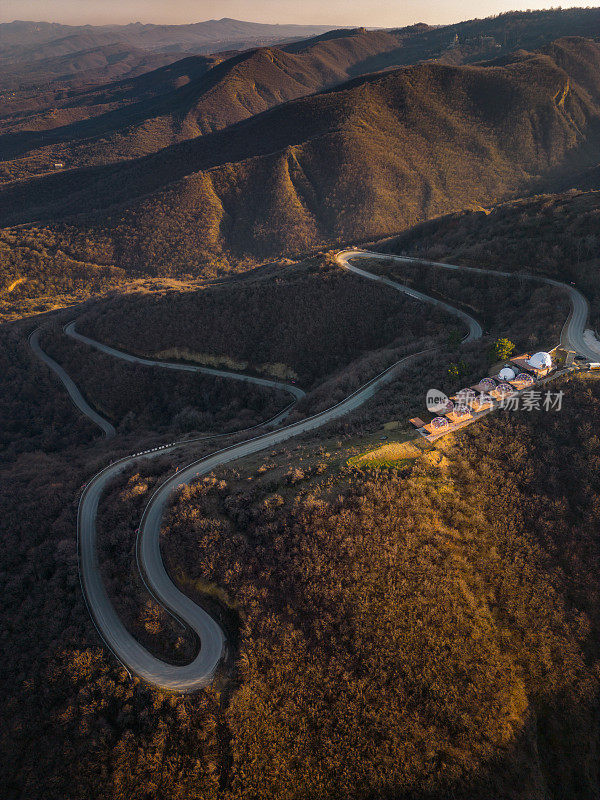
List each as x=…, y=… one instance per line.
x=24, y=37
x=356, y=162
x=246, y=83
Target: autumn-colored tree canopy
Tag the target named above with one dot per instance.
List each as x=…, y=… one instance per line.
x=420, y=626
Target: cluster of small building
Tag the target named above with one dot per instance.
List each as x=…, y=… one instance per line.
x=472, y=402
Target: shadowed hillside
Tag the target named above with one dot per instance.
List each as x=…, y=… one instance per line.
x=357, y=162
x=251, y=82
x=203, y=100
x=555, y=234
x=302, y=323
x=34, y=118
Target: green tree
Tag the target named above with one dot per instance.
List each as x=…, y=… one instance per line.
x=454, y=338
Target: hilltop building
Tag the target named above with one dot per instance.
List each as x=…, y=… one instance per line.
x=520, y=374
x=539, y=364
x=507, y=374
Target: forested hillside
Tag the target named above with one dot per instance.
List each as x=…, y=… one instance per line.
x=436, y=626
x=531, y=315
x=104, y=63
x=301, y=323
x=230, y=90
x=139, y=398
x=555, y=235
x=403, y=621
x=357, y=162
x=245, y=83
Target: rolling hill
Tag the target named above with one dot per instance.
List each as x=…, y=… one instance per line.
x=61, y=104
x=358, y=162
x=101, y=126
x=95, y=65
x=40, y=40
x=204, y=101
x=39, y=60
x=552, y=234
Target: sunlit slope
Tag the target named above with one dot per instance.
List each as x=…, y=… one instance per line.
x=360, y=161
x=182, y=101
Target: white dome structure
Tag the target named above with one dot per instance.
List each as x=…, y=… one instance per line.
x=507, y=374
x=540, y=360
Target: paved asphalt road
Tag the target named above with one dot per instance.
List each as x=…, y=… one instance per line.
x=344, y=259
x=574, y=327
x=138, y=660
x=201, y=670
x=295, y=391
x=74, y=393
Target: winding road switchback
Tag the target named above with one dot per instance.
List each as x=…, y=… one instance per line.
x=295, y=391
x=127, y=649
x=344, y=260
x=202, y=669
x=572, y=337
x=74, y=393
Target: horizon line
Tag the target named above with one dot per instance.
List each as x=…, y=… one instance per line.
x=332, y=26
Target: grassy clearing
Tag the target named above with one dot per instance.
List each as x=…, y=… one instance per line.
x=391, y=454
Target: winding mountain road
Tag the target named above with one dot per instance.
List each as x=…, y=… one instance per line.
x=138, y=660
x=295, y=391
x=344, y=260
x=201, y=670
x=74, y=393
x=572, y=337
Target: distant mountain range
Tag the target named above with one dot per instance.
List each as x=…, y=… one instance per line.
x=97, y=65
x=21, y=41
x=345, y=136
x=37, y=53
x=360, y=161
x=189, y=98
x=145, y=111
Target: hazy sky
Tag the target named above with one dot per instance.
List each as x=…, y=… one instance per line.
x=370, y=13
